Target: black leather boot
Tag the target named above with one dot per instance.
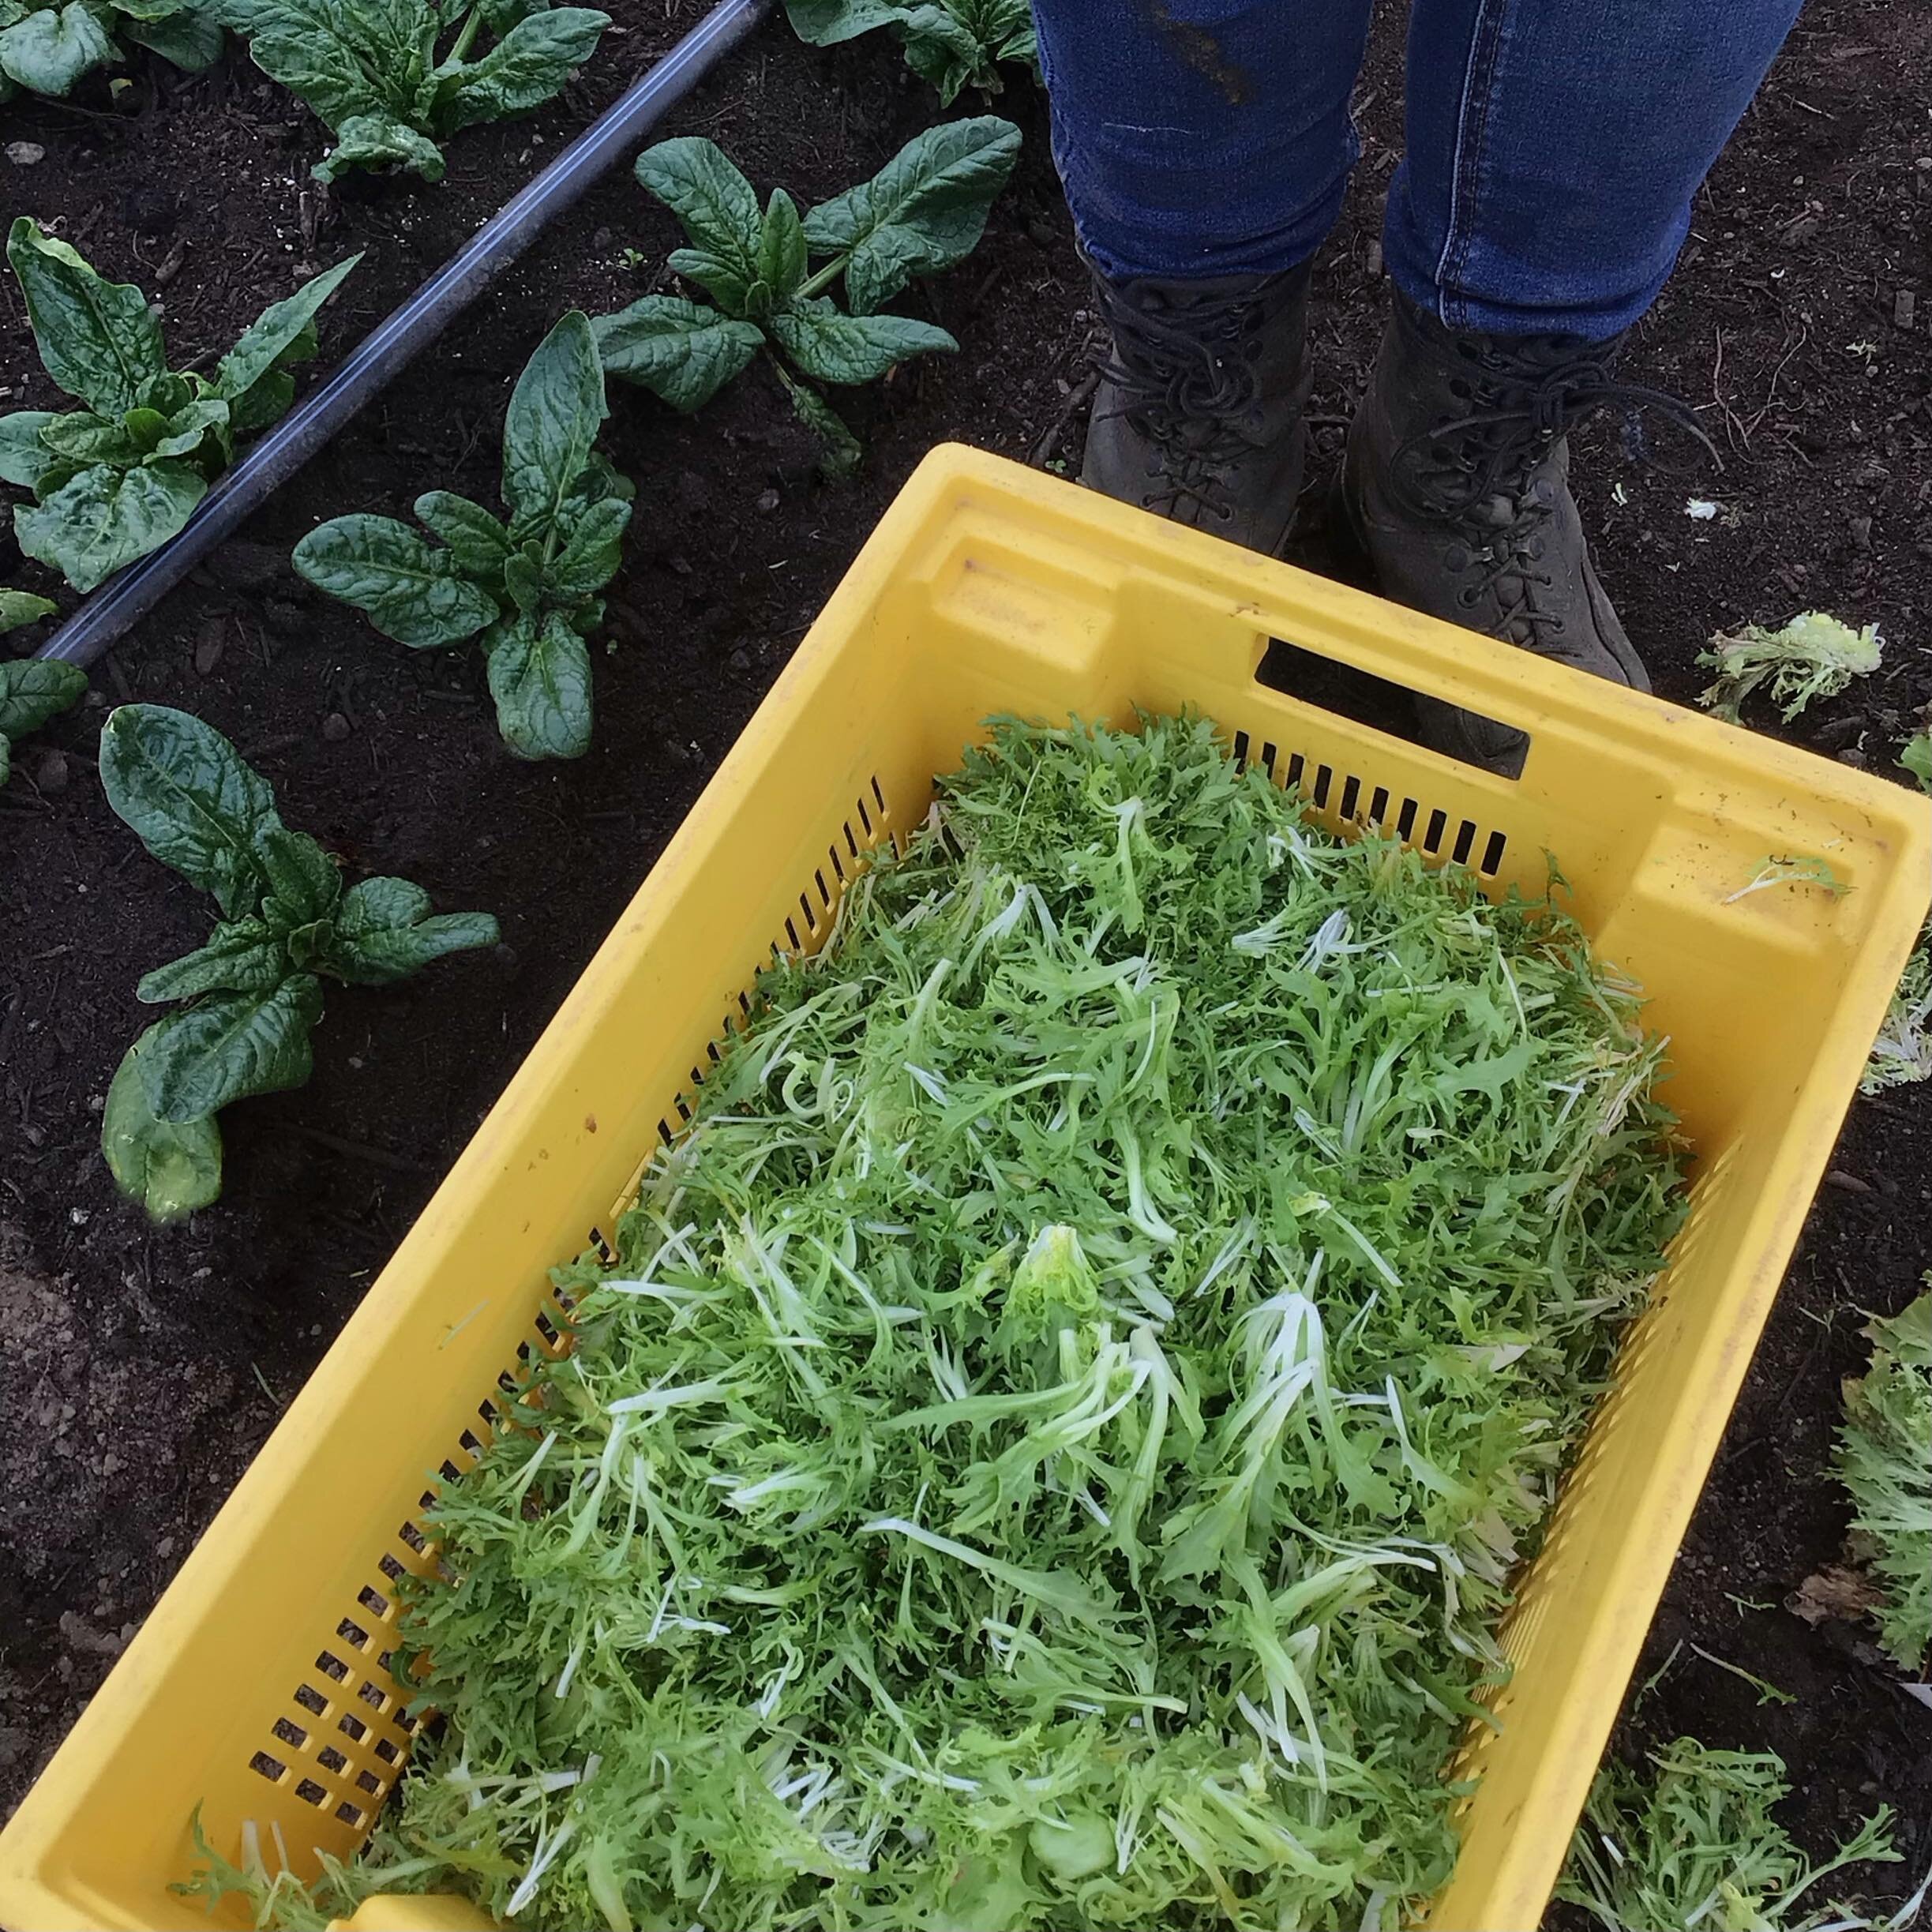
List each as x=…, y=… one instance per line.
x=1198, y=414
x=1456, y=485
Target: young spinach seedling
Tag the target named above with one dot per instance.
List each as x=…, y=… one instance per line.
x=924, y=211
x=117, y=478
x=370, y=69
x=528, y=590
x=255, y=989
x=46, y=46
x=952, y=43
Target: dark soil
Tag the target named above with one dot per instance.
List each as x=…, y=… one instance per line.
x=141, y=1368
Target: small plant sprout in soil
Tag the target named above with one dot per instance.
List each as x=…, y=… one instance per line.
x=525, y=590
x=924, y=212
x=1813, y=656
x=1691, y=1846
x=254, y=991
x=370, y=69
x=952, y=43
x=119, y=476
x=1884, y=1463
x=31, y=690
x=46, y=46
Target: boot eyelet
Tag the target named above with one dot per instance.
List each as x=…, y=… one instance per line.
x=1465, y=599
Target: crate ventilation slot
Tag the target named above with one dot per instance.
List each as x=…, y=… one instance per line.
x=1342, y=798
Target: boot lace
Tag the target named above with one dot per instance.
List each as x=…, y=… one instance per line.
x=1183, y=376
x=1479, y=471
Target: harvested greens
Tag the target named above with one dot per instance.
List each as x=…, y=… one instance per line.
x=1693, y=1844
x=1054, y=1445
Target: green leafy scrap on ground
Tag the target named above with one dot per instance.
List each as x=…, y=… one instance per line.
x=525, y=590
x=1815, y=655
x=952, y=43
x=1053, y=1445
x=46, y=46
x=121, y=475
x=371, y=70
x=31, y=690
x=1916, y=757
x=924, y=211
x=1902, y=1054
x=254, y=991
x=1884, y=1463
x=1692, y=1846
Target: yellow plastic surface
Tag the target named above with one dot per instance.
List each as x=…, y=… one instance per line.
x=258, y=1687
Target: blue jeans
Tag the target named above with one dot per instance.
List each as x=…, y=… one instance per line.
x=1553, y=145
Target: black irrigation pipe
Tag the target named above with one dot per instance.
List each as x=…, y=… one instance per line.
x=383, y=354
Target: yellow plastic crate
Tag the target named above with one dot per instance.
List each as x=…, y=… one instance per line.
x=259, y=1687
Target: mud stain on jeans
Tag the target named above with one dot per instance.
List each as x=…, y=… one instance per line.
x=1203, y=53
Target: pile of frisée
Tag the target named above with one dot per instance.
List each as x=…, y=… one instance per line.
x=1052, y=1449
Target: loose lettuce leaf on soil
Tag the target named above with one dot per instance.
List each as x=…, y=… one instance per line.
x=1694, y=1845
x=1884, y=1463
x=1815, y=655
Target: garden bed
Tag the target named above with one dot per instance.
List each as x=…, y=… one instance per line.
x=141, y=1368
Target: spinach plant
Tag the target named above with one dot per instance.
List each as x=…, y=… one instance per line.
x=371, y=70
x=527, y=590
x=925, y=210
x=46, y=46
x=31, y=689
x=118, y=477
x=254, y=991
x=952, y=43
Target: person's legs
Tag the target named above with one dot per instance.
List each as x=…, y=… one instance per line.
x=1200, y=138
x=1554, y=148
x=1204, y=145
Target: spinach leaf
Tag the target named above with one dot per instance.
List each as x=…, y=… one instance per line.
x=679, y=350
x=117, y=478
x=409, y=590
x=244, y=956
x=170, y=1169
x=831, y=347
x=98, y=339
x=191, y=799
x=540, y=678
x=230, y=1046
x=53, y=46
x=371, y=70
x=253, y=987
x=16, y=607
x=717, y=208
x=385, y=932
x=923, y=212
x=105, y=517
x=477, y=541
x=556, y=410
x=24, y=457
x=528, y=587
x=32, y=690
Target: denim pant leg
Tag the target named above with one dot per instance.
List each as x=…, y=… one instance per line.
x=1554, y=148
x=1202, y=137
